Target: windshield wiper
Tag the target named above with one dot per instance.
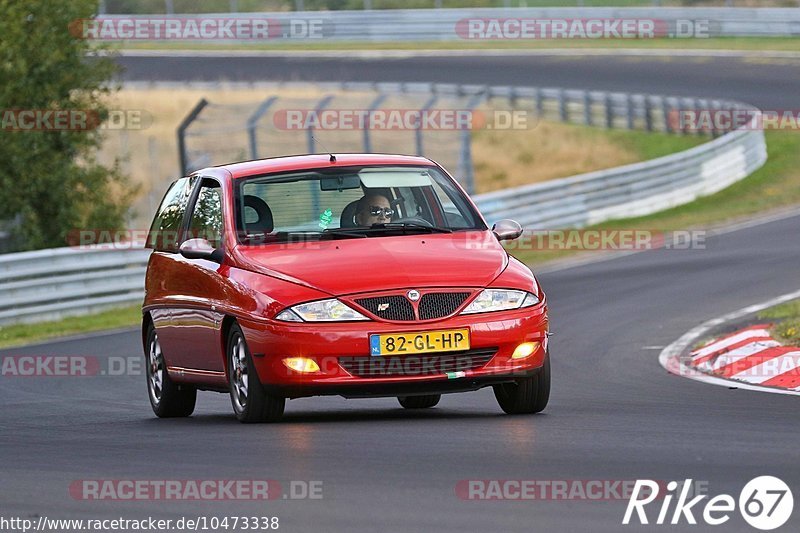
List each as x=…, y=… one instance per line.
x=347, y=233
x=411, y=225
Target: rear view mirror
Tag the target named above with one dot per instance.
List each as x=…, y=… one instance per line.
x=506, y=230
x=201, y=249
x=340, y=183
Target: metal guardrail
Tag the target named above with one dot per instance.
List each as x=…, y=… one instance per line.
x=631, y=190
x=48, y=284
x=408, y=25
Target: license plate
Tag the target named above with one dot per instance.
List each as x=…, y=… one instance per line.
x=446, y=340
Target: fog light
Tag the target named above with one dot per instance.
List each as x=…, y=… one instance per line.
x=525, y=349
x=301, y=364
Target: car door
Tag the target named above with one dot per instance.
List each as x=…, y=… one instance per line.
x=197, y=288
x=165, y=234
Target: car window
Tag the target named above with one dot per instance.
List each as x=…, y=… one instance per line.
x=317, y=202
x=166, y=227
x=206, y=220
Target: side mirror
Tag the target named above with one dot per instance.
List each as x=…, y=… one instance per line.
x=201, y=249
x=506, y=230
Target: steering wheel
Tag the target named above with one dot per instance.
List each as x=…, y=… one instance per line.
x=413, y=220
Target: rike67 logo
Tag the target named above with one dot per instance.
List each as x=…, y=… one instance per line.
x=765, y=503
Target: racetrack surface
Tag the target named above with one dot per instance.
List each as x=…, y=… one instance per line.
x=615, y=414
x=767, y=83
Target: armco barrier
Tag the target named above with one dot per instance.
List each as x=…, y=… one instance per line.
x=429, y=25
x=48, y=284
x=630, y=190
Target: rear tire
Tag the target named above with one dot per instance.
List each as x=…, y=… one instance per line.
x=167, y=398
x=250, y=401
x=419, y=402
x=527, y=395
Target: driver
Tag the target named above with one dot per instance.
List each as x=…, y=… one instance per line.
x=373, y=209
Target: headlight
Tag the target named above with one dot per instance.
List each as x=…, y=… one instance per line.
x=321, y=311
x=500, y=300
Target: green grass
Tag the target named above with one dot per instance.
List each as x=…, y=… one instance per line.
x=787, y=327
x=112, y=319
x=776, y=184
x=652, y=145
x=716, y=43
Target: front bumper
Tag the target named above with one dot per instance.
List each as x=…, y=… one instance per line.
x=493, y=337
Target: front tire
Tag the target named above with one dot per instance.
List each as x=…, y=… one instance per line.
x=167, y=398
x=250, y=401
x=527, y=395
x=419, y=402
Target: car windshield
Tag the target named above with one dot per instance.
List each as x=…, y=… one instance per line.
x=352, y=202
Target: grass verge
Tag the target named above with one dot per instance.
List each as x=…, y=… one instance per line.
x=787, y=322
x=119, y=317
x=554, y=150
x=775, y=185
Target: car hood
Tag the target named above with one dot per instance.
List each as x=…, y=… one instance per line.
x=347, y=266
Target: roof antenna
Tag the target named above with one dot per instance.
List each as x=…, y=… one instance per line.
x=333, y=157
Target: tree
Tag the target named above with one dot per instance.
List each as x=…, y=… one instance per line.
x=51, y=180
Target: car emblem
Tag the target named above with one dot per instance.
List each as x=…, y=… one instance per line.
x=413, y=295
x=383, y=307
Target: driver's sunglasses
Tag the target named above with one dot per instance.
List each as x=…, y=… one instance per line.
x=376, y=211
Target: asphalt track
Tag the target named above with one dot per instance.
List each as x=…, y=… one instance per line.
x=615, y=414
x=764, y=82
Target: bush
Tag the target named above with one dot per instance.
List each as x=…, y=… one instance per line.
x=51, y=181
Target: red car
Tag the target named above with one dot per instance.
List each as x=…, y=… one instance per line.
x=353, y=275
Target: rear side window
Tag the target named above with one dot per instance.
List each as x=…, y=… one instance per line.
x=206, y=221
x=166, y=228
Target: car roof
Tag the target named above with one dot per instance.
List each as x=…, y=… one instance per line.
x=302, y=162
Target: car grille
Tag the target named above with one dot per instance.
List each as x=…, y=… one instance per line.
x=416, y=365
x=439, y=304
x=399, y=307
x=431, y=305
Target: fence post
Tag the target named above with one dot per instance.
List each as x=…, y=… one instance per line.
x=193, y=114
x=323, y=103
x=629, y=111
x=252, y=123
x=609, y=111
x=562, y=105
x=700, y=106
x=372, y=107
x=587, y=108
x=666, y=111
x=418, y=130
x=465, y=160
x=715, y=107
x=539, y=103
x=648, y=113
